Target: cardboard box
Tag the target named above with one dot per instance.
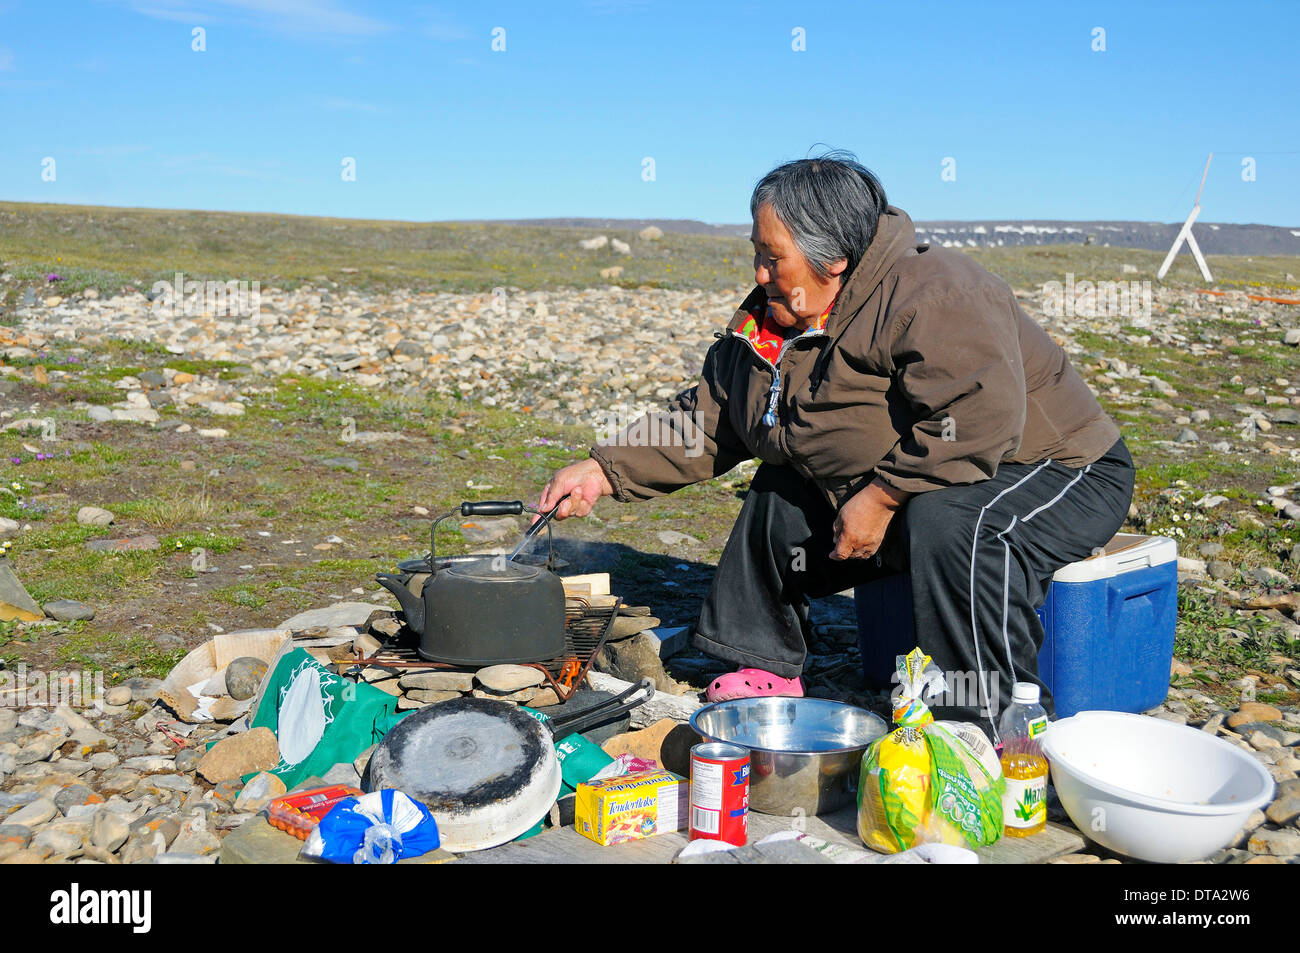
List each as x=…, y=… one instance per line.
x=631, y=807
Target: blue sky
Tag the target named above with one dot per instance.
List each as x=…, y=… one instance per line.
x=560, y=122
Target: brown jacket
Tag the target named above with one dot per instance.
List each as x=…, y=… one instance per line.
x=928, y=374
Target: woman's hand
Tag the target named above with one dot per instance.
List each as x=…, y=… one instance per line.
x=862, y=521
x=579, y=486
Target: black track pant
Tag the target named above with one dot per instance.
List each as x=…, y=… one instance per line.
x=980, y=557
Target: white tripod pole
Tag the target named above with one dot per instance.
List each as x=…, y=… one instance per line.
x=1185, y=235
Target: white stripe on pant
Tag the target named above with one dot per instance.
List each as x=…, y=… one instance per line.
x=1006, y=575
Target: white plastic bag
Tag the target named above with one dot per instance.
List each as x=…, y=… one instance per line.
x=302, y=716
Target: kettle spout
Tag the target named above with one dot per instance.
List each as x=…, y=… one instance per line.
x=412, y=605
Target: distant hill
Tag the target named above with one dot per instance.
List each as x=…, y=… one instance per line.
x=112, y=248
x=1214, y=238
x=683, y=226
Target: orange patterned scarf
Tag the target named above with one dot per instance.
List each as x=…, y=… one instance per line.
x=767, y=336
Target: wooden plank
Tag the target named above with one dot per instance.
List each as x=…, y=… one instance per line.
x=581, y=594
x=1055, y=840
x=257, y=842
x=566, y=846
x=597, y=582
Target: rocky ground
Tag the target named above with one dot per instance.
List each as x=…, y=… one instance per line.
x=168, y=479
x=133, y=783
x=580, y=354
x=565, y=354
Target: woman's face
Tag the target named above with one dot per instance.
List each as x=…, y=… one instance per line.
x=797, y=294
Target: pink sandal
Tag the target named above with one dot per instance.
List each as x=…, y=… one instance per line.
x=753, y=683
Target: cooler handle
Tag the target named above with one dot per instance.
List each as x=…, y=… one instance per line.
x=1123, y=593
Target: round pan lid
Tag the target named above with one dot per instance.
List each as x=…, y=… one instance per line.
x=485, y=770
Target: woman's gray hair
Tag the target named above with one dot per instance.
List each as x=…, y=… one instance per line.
x=831, y=205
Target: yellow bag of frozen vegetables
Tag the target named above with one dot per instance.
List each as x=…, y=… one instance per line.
x=928, y=782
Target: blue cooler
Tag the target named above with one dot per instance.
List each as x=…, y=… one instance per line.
x=1109, y=621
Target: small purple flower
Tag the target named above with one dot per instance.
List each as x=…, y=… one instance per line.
x=51, y=278
x=15, y=459
x=527, y=454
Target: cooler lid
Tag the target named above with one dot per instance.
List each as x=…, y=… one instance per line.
x=1126, y=552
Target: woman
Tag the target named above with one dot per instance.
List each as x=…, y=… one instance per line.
x=910, y=417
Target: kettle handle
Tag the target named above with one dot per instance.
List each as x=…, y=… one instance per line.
x=482, y=508
x=492, y=508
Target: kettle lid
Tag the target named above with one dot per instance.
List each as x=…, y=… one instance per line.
x=494, y=569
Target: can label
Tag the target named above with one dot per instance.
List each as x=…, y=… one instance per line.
x=720, y=793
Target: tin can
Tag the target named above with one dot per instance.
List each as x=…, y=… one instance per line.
x=720, y=793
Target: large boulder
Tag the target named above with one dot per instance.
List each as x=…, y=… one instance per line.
x=238, y=755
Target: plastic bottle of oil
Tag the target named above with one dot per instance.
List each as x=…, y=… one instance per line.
x=1024, y=807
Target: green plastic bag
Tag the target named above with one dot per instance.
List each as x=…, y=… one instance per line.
x=928, y=782
x=320, y=718
x=580, y=758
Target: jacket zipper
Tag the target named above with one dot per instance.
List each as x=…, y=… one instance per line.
x=774, y=392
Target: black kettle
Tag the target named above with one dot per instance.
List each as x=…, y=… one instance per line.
x=483, y=611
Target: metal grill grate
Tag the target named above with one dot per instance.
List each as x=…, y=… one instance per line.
x=585, y=629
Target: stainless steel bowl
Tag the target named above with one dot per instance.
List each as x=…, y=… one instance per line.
x=805, y=753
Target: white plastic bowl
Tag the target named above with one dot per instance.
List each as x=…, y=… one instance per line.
x=1151, y=789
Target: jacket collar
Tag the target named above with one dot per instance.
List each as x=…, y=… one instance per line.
x=895, y=236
